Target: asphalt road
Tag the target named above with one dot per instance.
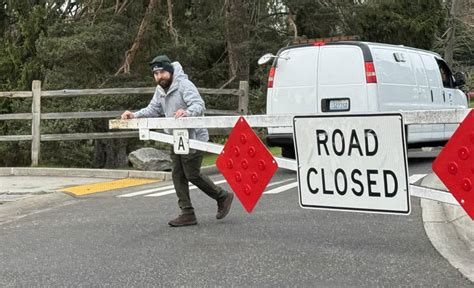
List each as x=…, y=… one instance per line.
x=105, y=240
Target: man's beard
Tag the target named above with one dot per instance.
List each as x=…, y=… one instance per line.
x=165, y=83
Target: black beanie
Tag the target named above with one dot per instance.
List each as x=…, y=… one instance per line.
x=161, y=62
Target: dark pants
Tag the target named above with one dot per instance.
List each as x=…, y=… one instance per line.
x=187, y=168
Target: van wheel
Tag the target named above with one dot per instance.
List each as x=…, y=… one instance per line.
x=288, y=152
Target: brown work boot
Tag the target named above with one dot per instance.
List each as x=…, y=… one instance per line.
x=223, y=206
x=184, y=220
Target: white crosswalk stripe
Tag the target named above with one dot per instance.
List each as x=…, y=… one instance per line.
x=282, y=188
x=143, y=192
x=169, y=189
x=161, y=193
x=192, y=187
x=216, y=182
x=279, y=182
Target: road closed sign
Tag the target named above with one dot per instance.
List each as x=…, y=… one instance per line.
x=352, y=163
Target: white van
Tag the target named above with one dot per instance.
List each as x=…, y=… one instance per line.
x=359, y=77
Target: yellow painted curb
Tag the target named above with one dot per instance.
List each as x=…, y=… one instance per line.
x=107, y=186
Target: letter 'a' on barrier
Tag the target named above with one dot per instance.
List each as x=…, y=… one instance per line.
x=455, y=164
x=352, y=163
x=246, y=164
x=181, y=141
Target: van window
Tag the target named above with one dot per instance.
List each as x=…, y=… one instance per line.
x=390, y=70
x=432, y=70
x=446, y=75
x=419, y=70
x=296, y=68
x=341, y=65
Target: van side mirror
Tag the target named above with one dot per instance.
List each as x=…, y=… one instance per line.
x=460, y=79
x=265, y=58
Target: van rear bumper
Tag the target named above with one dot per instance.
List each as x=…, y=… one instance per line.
x=280, y=140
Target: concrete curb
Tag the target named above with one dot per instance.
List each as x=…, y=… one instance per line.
x=94, y=173
x=450, y=229
x=81, y=172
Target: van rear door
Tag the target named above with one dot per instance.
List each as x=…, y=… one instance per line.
x=341, y=79
x=294, y=84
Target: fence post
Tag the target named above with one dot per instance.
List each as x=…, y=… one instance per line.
x=36, y=123
x=244, y=97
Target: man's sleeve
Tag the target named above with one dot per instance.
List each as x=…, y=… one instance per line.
x=154, y=108
x=193, y=100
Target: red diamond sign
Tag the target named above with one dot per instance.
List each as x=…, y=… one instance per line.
x=455, y=164
x=246, y=164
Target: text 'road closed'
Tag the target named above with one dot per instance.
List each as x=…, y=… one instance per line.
x=355, y=163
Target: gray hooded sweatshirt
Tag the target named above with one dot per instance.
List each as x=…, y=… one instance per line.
x=182, y=94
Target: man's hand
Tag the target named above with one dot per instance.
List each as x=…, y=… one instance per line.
x=180, y=113
x=127, y=115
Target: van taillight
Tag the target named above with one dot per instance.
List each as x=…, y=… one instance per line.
x=370, y=72
x=271, y=74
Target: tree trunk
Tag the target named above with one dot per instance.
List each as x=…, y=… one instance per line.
x=109, y=153
x=173, y=32
x=130, y=54
x=450, y=34
x=291, y=20
x=237, y=24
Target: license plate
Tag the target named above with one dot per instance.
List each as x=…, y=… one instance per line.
x=339, y=105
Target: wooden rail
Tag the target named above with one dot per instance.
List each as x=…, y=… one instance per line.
x=36, y=116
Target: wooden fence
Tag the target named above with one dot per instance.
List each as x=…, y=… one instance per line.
x=36, y=116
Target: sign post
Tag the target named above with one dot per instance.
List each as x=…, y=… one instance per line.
x=352, y=163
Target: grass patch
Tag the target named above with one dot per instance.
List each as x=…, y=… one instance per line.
x=210, y=159
x=276, y=151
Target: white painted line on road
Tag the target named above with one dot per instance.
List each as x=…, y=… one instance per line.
x=192, y=187
x=161, y=193
x=166, y=190
x=216, y=182
x=282, y=188
x=279, y=182
x=146, y=191
x=415, y=177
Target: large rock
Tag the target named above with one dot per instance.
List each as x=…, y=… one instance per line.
x=150, y=159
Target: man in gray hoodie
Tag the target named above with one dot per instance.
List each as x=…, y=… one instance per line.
x=176, y=96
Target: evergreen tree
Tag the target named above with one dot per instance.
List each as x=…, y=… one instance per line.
x=403, y=22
